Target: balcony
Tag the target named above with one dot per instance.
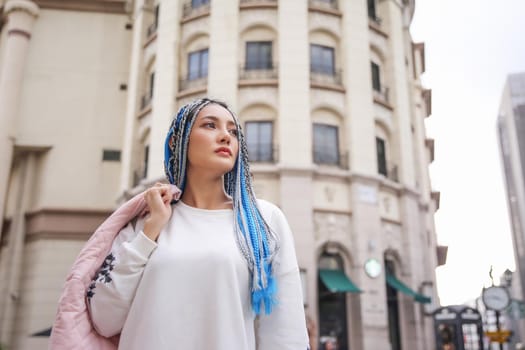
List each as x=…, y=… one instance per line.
x=374, y=20
x=151, y=30
x=258, y=72
x=138, y=176
x=390, y=172
x=323, y=77
x=381, y=96
x=340, y=160
x=194, y=9
x=325, y=4
x=199, y=84
x=263, y=153
x=258, y=3
x=145, y=102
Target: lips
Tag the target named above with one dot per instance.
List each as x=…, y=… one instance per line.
x=223, y=151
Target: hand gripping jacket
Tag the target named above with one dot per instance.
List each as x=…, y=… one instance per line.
x=72, y=328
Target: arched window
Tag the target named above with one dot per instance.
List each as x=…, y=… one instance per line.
x=394, y=329
x=333, y=325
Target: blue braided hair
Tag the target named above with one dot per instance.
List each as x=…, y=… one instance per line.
x=256, y=241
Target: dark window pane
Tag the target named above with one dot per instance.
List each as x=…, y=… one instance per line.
x=193, y=66
x=198, y=64
x=372, y=9
x=156, y=21
x=326, y=144
x=376, y=78
x=151, y=83
x=146, y=157
x=259, y=55
x=322, y=59
x=259, y=141
x=381, y=156
x=204, y=63
x=111, y=155
x=197, y=3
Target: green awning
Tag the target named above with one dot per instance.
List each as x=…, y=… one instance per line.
x=403, y=288
x=337, y=282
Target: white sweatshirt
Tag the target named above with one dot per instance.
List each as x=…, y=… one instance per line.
x=190, y=289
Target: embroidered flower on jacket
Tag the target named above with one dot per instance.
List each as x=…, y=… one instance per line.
x=102, y=275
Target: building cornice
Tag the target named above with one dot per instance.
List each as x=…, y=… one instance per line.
x=103, y=6
x=60, y=221
x=21, y=5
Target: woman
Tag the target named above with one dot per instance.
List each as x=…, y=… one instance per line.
x=196, y=273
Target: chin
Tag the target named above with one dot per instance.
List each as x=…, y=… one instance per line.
x=222, y=167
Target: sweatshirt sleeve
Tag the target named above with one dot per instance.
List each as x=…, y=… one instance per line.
x=112, y=290
x=285, y=327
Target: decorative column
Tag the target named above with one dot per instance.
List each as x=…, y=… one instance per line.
x=365, y=187
x=166, y=68
x=21, y=15
x=137, y=53
x=15, y=251
x=224, y=45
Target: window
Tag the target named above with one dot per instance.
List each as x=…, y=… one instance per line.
x=111, y=155
x=156, y=19
x=153, y=27
x=198, y=64
x=372, y=10
x=148, y=95
x=259, y=141
x=394, y=329
x=333, y=318
x=381, y=156
x=199, y=3
x=322, y=59
x=151, y=84
x=259, y=55
x=376, y=78
x=326, y=144
x=146, y=157
x=327, y=3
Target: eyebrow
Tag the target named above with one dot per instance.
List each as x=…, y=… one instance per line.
x=214, y=118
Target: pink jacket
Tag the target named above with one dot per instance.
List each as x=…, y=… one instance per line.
x=72, y=328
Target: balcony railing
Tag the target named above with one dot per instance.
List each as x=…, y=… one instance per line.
x=374, y=19
x=329, y=4
x=138, y=175
x=152, y=29
x=251, y=72
x=390, y=172
x=190, y=9
x=257, y=2
x=326, y=77
x=264, y=154
x=340, y=160
x=145, y=101
x=186, y=84
x=382, y=94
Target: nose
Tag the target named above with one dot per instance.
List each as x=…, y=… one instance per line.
x=225, y=136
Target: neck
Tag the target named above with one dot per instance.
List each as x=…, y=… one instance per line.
x=205, y=193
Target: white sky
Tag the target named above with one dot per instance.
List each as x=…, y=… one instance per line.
x=471, y=46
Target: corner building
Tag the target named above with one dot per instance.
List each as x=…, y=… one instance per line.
x=330, y=99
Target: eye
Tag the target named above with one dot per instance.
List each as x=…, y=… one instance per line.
x=209, y=125
x=234, y=132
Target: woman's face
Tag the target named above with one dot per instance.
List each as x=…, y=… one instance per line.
x=213, y=144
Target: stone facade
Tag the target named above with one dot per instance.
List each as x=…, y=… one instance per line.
x=88, y=89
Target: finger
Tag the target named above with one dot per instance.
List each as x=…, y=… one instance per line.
x=165, y=191
x=167, y=197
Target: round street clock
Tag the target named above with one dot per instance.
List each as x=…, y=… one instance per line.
x=372, y=268
x=496, y=298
